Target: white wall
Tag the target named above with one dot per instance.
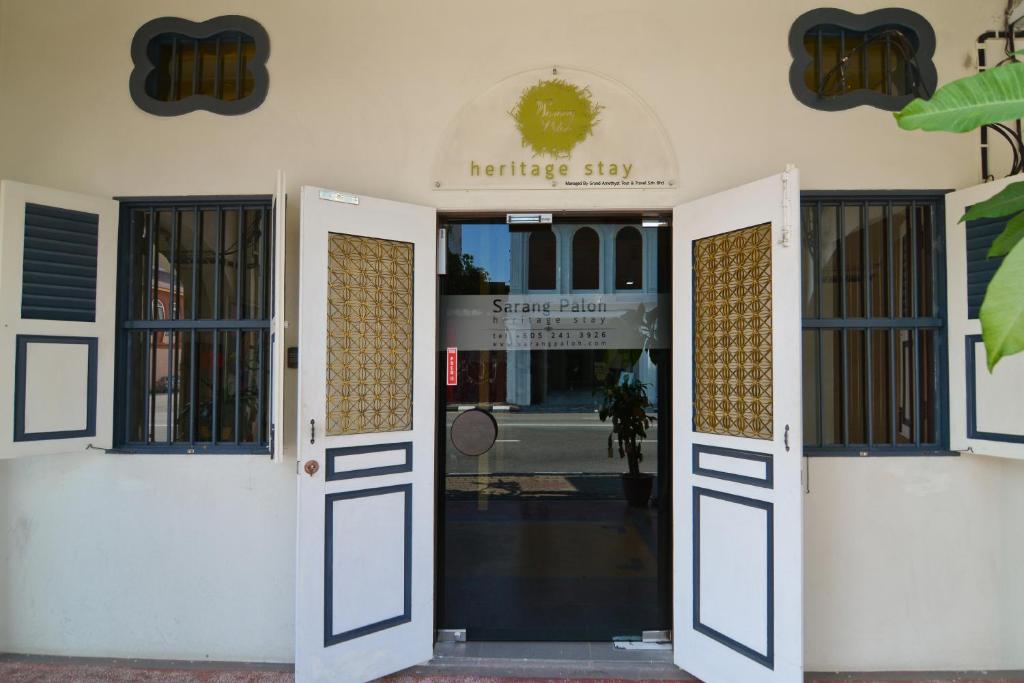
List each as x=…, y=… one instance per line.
x=914, y=564
x=911, y=564
x=148, y=556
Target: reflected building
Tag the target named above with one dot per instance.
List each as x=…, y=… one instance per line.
x=607, y=260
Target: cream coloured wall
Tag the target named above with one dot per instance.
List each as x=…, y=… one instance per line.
x=910, y=564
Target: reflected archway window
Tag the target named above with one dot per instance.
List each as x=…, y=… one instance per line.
x=586, y=259
x=629, y=259
x=542, y=261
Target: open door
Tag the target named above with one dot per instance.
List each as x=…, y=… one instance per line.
x=737, y=521
x=984, y=407
x=365, y=568
x=58, y=251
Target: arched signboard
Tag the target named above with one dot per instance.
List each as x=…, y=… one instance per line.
x=556, y=129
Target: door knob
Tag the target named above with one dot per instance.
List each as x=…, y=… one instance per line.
x=311, y=467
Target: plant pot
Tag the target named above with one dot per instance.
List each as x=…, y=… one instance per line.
x=637, y=488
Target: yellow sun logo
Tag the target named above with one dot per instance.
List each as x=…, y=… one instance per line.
x=554, y=116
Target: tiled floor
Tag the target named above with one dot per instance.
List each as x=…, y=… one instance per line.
x=454, y=664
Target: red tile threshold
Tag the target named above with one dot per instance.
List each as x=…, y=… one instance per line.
x=199, y=672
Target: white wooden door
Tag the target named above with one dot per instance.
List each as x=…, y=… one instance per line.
x=737, y=420
x=367, y=301
x=984, y=407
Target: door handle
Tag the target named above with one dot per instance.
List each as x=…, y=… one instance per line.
x=312, y=432
x=785, y=438
x=312, y=467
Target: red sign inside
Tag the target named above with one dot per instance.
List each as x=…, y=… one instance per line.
x=453, y=366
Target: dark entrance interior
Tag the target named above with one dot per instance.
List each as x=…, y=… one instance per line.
x=541, y=325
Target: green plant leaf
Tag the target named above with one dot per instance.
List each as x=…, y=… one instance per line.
x=1008, y=238
x=965, y=104
x=1002, y=311
x=1008, y=200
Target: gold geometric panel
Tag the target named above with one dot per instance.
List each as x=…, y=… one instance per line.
x=369, y=335
x=732, y=339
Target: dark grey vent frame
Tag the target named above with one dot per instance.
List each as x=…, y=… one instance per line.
x=152, y=30
x=907, y=20
x=58, y=277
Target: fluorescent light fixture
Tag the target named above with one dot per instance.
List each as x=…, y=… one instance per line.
x=528, y=219
x=654, y=223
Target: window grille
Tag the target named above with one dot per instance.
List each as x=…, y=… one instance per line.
x=873, y=324
x=216, y=67
x=194, y=325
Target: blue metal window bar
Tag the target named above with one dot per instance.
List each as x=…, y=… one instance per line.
x=874, y=335
x=194, y=324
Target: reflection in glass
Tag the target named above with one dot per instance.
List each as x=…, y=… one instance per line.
x=906, y=387
x=230, y=250
x=227, y=353
x=181, y=359
x=878, y=261
x=206, y=365
x=586, y=259
x=629, y=259
x=927, y=355
x=538, y=525
x=137, y=386
x=923, y=259
x=856, y=391
x=252, y=264
x=881, y=429
x=542, y=259
x=902, y=260
x=809, y=262
x=831, y=271
x=183, y=266
x=810, y=387
x=853, y=252
x=831, y=388
x=207, y=261
x=249, y=386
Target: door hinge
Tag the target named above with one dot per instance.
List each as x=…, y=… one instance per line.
x=657, y=636
x=442, y=251
x=451, y=635
x=787, y=209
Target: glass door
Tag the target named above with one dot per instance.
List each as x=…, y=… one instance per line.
x=555, y=487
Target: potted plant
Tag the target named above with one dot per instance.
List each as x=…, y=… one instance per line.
x=626, y=404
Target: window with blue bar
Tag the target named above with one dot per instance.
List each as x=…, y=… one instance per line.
x=194, y=325
x=874, y=331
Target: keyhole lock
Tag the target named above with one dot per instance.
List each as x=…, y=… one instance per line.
x=311, y=467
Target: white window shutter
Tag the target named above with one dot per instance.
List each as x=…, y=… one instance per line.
x=278, y=324
x=58, y=277
x=985, y=414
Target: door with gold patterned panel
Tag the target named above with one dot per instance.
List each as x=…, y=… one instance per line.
x=737, y=479
x=367, y=298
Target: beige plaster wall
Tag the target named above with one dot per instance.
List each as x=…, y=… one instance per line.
x=910, y=564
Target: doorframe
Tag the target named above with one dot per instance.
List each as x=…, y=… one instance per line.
x=665, y=573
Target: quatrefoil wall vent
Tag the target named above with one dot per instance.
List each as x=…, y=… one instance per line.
x=181, y=66
x=842, y=60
